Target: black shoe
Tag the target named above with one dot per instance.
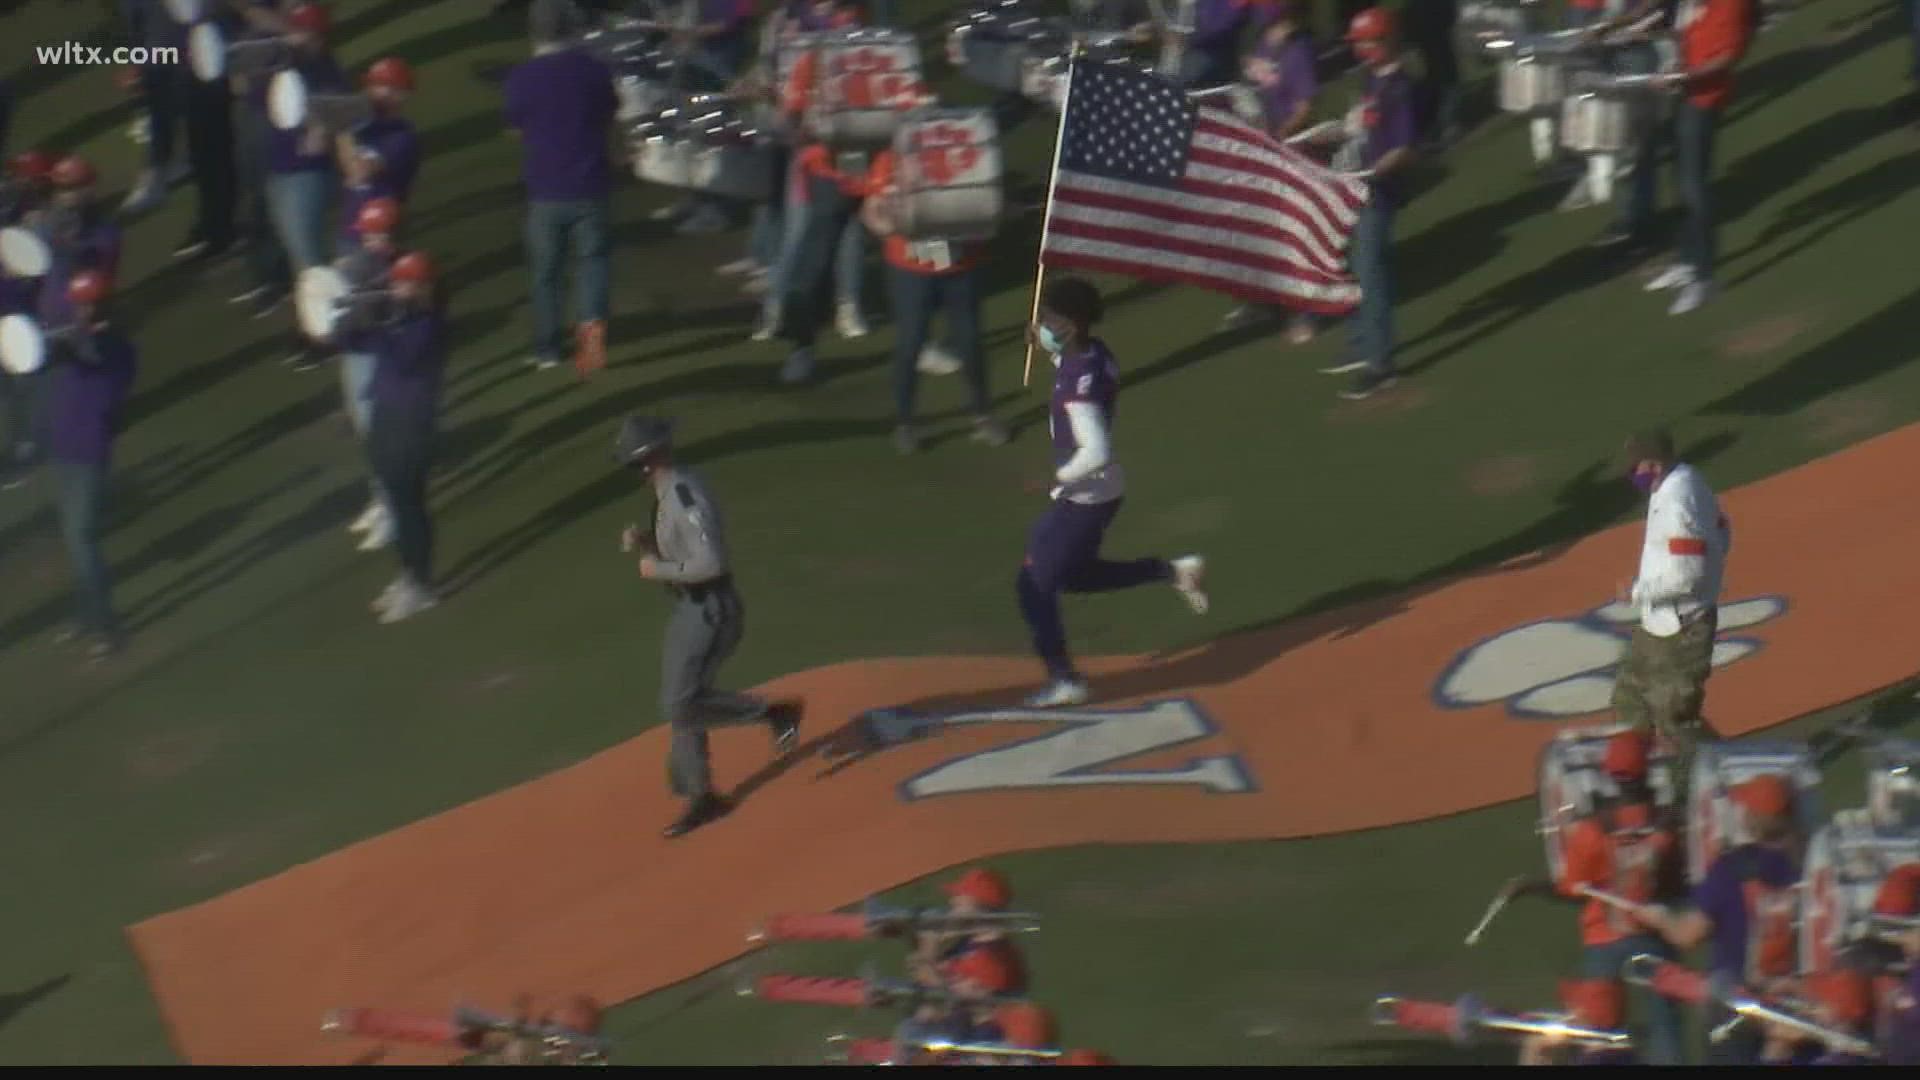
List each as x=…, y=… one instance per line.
x=705, y=809
x=1368, y=384
x=784, y=718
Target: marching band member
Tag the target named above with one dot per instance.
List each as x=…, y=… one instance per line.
x=975, y=978
x=1842, y=1000
x=375, y=227
x=246, y=165
x=151, y=27
x=714, y=49
x=1898, y=990
x=1714, y=35
x=1598, y=1003
x=1281, y=66
x=767, y=231
x=978, y=890
x=560, y=105
x=1744, y=907
x=1661, y=683
x=1387, y=111
x=823, y=233
x=79, y=235
x=82, y=413
x=410, y=351
x=300, y=167
x=1212, y=54
x=29, y=178
x=1625, y=849
x=925, y=277
x=1063, y=550
x=378, y=159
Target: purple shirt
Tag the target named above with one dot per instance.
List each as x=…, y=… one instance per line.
x=395, y=142
x=1722, y=896
x=98, y=248
x=410, y=353
x=18, y=295
x=1293, y=60
x=85, y=402
x=1217, y=25
x=1091, y=375
x=1387, y=113
x=284, y=152
x=562, y=104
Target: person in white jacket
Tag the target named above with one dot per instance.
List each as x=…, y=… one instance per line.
x=1661, y=683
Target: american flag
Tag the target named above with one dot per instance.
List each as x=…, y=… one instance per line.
x=1151, y=185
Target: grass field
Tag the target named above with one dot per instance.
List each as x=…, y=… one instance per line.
x=260, y=719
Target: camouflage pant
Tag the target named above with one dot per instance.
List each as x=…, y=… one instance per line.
x=1662, y=684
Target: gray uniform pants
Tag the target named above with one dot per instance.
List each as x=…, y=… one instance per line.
x=702, y=632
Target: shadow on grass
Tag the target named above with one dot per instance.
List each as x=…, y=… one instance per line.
x=1865, y=350
x=12, y=1005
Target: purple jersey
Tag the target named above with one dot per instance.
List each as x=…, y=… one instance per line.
x=393, y=140
x=1089, y=375
x=1293, y=62
x=1388, y=116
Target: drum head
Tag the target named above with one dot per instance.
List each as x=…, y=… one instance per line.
x=207, y=51
x=22, y=253
x=316, y=300
x=287, y=100
x=187, y=12
x=22, y=347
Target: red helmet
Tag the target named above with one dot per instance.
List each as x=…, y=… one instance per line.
x=380, y=215
x=1372, y=24
x=72, y=171
x=34, y=165
x=413, y=266
x=390, y=72
x=313, y=18
x=88, y=287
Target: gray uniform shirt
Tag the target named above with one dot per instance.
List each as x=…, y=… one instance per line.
x=688, y=531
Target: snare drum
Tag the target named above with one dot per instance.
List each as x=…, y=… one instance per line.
x=728, y=168
x=1572, y=781
x=1846, y=862
x=1893, y=786
x=1596, y=123
x=1714, y=822
x=1532, y=84
x=867, y=79
x=950, y=174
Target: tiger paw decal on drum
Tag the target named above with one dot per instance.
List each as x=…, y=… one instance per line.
x=1559, y=668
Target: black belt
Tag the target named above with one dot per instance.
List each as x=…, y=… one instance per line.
x=710, y=587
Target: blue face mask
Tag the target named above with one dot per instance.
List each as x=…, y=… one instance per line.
x=1644, y=482
x=1050, y=341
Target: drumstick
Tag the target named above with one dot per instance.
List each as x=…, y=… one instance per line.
x=1314, y=132
x=1612, y=901
x=1493, y=909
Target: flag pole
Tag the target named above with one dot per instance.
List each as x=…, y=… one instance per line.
x=1053, y=177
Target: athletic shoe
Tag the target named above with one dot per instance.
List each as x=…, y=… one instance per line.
x=191, y=246
x=146, y=194
x=935, y=360
x=1189, y=577
x=1059, y=693
x=1300, y=329
x=755, y=283
x=387, y=594
x=1344, y=367
x=1615, y=237
x=798, y=368
x=379, y=533
x=590, y=347
x=1673, y=277
x=705, y=809
x=738, y=267
x=784, y=718
x=906, y=440
x=103, y=647
x=849, y=322
x=252, y=294
x=1242, y=315
x=409, y=601
x=374, y=511
x=1690, y=296
x=767, y=330
x=1578, y=197
x=541, y=362
x=988, y=430
x=1368, y=384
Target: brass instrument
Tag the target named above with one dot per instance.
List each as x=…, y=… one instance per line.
x=1467, y=1017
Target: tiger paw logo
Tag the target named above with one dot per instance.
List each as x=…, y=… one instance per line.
x=1560, y=668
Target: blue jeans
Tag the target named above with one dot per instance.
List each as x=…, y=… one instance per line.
x=80, y=495
x=1693, y=129
x=1661, y=1045
x=848, y=261
x=301, y=205
x=915, y=299
x=266, y=258
x=555, y=229
x=1373, y=319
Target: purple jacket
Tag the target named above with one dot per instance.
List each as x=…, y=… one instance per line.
x=563, y=104
x=98, y=248
x=1218, y=24
x=284, y=153
x=410, y=356
x=85, y=402
x=394, y=140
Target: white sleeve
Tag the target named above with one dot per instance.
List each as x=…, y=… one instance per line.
x=1090, y=435
x=1683, y=524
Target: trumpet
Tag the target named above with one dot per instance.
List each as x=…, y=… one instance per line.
x=1467, y=1017
x=290, y=105
x=875, y=921
x=1670, y=980
x=212, y=56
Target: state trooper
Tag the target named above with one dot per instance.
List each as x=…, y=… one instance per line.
x=687, y=551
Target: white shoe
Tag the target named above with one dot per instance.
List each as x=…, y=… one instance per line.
x=386, y=597
x=1690, y=297
x=409, y=601
x=365, y=520
x=1579, y=197
x=1059, y=693
x=1344, y=367
x=1189, y=576
x=849, y=322
x=1673, y=277
x=935, y=360
x=145, y=195
x=738, y=267
x=543, y=363
x=767, y=330
x=798, y=368
x=379, y=533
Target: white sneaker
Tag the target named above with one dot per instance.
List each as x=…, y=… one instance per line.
x=849, y=322
x=1189, y=576
x=767, y=330
x=798, y=368
x=738, y=267
x=1579, y=197
x=379, y=533
x=1690, y=297
x=145, y=195
x=1059, y=693
x=365, y=520
x=935, y=360
x=409, y=601
x=1673, y=277
x=1344, y=367
x=386, y=597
